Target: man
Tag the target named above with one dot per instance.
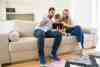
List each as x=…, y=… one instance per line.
x=73, y=30
x=44, y=30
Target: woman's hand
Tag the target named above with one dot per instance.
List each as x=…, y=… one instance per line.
x=67, y=25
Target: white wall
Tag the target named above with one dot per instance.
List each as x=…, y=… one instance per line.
x=2, y=10
x=2, y=14
x=21, y=6
x=37, y=4
x=39, y=7
x=44, y=5
x=7, y=26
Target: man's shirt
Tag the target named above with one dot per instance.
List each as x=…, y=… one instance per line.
x=45, y=24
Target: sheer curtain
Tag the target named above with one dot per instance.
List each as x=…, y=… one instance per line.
x=98, y=24
x=83, y=13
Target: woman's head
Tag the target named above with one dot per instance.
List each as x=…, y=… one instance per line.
x=65, y=13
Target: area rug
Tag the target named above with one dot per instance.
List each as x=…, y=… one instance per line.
x=60, y=64
x=57, y=64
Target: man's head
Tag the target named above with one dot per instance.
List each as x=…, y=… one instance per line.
x=65, y=13
x=51, y=11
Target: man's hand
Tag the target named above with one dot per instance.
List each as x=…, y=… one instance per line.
x=43, y=23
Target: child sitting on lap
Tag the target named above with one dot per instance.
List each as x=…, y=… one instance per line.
x=58, y=25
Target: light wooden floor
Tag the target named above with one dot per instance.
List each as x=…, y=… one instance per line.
x=35, y=63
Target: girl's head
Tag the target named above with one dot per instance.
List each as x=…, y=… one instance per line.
x=57, y=17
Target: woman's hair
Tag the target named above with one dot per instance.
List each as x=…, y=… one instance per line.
x=66, y=9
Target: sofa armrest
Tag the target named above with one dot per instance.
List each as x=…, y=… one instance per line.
x=4, y=48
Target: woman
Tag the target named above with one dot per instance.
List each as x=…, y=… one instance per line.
x=73, y=30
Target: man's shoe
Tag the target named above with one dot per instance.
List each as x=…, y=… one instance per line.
x=43, y=65
x=55, y=58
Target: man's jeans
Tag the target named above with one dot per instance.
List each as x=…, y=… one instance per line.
x=40, y=42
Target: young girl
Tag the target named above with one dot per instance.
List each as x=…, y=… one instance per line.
x=58, y=25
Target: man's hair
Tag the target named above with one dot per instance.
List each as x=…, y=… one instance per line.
x=51, y=8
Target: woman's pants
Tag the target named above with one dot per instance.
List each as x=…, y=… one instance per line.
x=77, y=31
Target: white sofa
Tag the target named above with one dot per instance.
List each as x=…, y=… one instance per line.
x=4, y=50
x=23, y=45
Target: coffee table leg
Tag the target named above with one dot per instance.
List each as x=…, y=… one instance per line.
x=93, y=61
x=67, y=64
x=0, y=65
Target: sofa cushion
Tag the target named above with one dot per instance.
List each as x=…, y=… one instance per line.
x=22, y=56
x=25, y=28
x=66, y=40
x=27, y=43
x=13, y=36
x=24, y=43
